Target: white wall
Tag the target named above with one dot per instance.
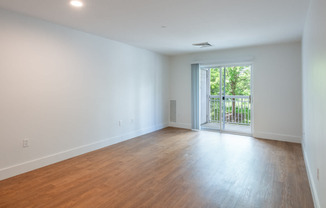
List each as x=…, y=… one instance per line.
x=66, y=90
x=276, y=80
x=314, y=99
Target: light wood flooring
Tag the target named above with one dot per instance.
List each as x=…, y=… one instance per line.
x=170, y=168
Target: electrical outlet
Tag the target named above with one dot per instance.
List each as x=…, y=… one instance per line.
x=120, y=123
x=318, y=174
x=25, y=143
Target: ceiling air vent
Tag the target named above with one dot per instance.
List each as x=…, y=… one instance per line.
x=202, y=45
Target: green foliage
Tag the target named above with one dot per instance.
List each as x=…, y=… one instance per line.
x=215, y=81
x=237, y=80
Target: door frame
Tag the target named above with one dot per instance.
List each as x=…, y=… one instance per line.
x=228, y=64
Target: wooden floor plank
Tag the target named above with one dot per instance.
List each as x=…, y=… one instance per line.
x=170, y=168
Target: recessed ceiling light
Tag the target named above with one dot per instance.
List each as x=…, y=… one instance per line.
x=76, y=3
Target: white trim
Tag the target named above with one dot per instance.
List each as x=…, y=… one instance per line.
x=60, y=156
x=225, y=64
x=237, y=61
x=311, y=180
x=277, y=137
x=180, y=125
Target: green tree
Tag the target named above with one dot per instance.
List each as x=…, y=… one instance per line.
x=215, y=81
x=237, y=80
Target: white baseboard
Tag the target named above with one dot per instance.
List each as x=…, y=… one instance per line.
x=180, y=125
x=60, y=156
x=278, y=137
x=311, y=181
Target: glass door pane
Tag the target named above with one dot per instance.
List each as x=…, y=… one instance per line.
x=237, y=99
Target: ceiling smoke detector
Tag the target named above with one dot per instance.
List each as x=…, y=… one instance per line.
x=202, y=45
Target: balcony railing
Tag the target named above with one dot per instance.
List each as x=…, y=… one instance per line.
x=234, y=109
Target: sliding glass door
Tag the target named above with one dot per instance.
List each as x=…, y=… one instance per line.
x=229, y=99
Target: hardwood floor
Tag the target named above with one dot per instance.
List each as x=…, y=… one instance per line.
x=170, y=168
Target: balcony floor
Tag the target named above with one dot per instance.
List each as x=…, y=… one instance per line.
x=228, y=127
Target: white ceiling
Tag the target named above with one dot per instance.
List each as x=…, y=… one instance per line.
x=222, y=23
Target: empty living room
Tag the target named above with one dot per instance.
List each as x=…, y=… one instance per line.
x=162, y=104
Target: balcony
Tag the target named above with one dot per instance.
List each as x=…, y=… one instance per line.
x=229, y=113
